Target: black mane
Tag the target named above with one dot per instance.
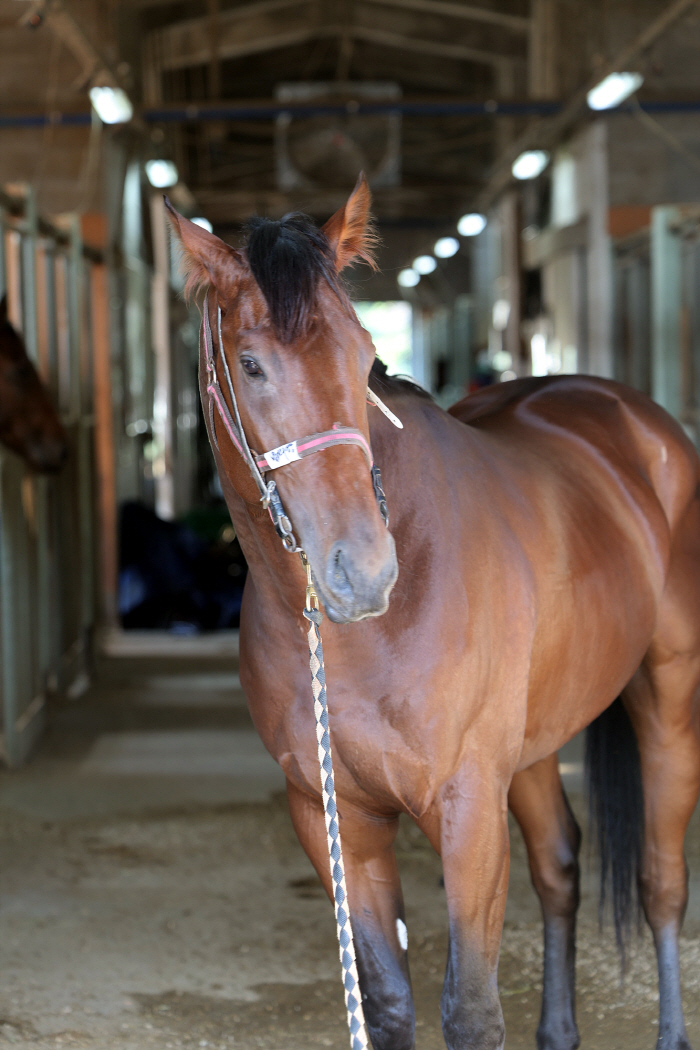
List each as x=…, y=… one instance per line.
x=287, y=257
x=395, y=384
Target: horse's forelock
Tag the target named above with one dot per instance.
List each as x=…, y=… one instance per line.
x=287, y=257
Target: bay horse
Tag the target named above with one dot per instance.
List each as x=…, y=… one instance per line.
x=29, y=423
x=541, y=573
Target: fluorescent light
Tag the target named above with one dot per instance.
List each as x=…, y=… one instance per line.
x=530, y=164
x=204, y=223
x=446, y=247
x=472, y=224
x=501, y=313
x=112, y=105
x=613, y=90
x=502, y=361
x=424, y=264
x=408, y=278
x=540, y=357
x=161, y=173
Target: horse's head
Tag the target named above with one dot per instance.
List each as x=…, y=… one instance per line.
x=299, y=362
x=29, y=424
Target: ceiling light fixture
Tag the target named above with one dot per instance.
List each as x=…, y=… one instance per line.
x=424, y=265
x=204, y=223
x=161, y=173
x=530, y=164
x=111, y=104
x=613, y=90
x=446, y=247
x=408, y=278
x=471, y=225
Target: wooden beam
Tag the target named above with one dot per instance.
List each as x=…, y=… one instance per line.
x=248, y=30
x=249, y=46
x=461, y=52
x=257, y=7
x=214, y=61
x=270, y=24
x=515, y=23
x=94, y=67
x=543, y=54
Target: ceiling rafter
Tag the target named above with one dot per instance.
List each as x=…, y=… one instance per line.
x=451, y=9
x=249, y=30
x=229, y=49
x=461, y=52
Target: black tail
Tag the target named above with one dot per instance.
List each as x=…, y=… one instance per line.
x=616, y=808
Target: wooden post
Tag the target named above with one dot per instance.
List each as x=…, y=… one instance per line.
x=104, y=444
x=542, y=58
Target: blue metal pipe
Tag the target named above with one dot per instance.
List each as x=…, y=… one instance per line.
x=269, y=111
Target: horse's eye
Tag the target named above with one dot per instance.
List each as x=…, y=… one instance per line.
x=251, y=366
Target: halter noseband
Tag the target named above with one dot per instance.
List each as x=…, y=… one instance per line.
x=258, y=463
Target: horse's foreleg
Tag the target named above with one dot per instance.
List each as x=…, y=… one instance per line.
x=470, y=830
x=376, y=909
x=552, y=837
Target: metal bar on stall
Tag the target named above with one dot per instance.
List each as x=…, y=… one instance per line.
x=162, y=395
x=78, y=411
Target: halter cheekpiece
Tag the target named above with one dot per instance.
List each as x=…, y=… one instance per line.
x=258, y=463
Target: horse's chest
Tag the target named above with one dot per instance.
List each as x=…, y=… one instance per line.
x=390, y=748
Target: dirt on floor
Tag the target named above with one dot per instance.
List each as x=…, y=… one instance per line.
x=200, y=923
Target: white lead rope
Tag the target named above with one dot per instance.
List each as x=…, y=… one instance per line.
x=348, y=959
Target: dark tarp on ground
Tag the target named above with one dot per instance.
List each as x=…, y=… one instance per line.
x=185, y=577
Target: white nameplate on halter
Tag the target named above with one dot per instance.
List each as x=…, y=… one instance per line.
x=279, y=457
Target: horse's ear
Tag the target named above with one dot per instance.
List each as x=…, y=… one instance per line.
x=206, y=259
x=350, y=231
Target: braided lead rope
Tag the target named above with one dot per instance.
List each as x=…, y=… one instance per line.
x=351, y=980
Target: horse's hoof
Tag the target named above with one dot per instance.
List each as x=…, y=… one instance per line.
x=565, y=1037
x=672, y=1041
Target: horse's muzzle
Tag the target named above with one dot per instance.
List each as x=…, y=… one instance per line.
x=357, y=583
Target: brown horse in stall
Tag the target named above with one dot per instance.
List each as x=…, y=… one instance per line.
x=544, y=560
x=29, y=424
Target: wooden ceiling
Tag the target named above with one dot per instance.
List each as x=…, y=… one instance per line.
x=193, y=52
x=183, y=55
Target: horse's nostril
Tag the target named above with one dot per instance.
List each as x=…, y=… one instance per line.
x=339, y=574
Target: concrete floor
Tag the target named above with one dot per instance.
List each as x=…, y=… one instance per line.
x=153, y=894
